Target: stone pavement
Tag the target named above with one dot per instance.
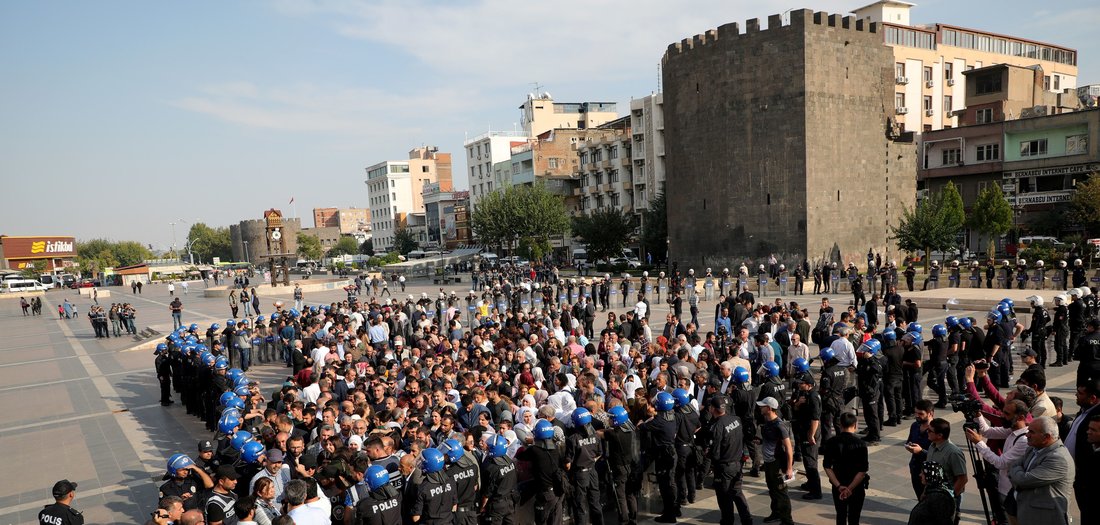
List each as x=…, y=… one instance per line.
x=86, y=410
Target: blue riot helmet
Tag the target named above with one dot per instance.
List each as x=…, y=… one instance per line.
x=681, y=397
x=951, y=321
x=966, y=323
x=664, y=402
x=740, y=375
x=431, y=460
x=452, y=449
x=230, y=323
x=581, y=417
x=890, y=335
x=939, y=330
x=253, y=451
x=801, y=365
x=497, y=446
x=161, y=347
x=376, y=477
x=543, y=430
x=225, y=397
x=871, y=346
x=240, y=438
x=826, y=354
x=619, y=415
x=233, y=374
x=178, y=462
x=241, y=391
x=915, y=327
x=228, y=423
x=771, y=369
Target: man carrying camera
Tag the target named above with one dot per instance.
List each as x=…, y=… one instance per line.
x=1014, y=434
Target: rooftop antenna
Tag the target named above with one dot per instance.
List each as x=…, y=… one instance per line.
x=538, y=87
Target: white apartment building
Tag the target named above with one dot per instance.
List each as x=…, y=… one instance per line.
x=929, y=60
x=647, y=128
x=394, y=191
x=482, y=153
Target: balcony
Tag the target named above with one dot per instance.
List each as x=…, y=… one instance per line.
x=624, y=161
x=627, y=184
x=578, y=191
x=605, y=164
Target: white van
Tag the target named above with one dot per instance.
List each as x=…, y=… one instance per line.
x=23, y=285
x=1027, y=241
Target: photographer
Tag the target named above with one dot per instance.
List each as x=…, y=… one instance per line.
x=1014, y=435
x=993, y=413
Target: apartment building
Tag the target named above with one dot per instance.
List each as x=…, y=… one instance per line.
x=394, y=190
x=483, y=153
x=348, y=220
x=930, y=59
x=539, y=114
x=647, y=127
x=605, y=169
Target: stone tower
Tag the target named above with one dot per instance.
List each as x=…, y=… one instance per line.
x=782, y=141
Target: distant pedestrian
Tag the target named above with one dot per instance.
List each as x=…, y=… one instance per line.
x=183, y=284
x=171, y=289
x=176, y=307
x=139, y=287
x=24, y=305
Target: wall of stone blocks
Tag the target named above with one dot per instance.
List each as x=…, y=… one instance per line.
x=255, y=232
x=764, y=127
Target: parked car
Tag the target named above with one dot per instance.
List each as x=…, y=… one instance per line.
x=85, y=283
x=623, y=261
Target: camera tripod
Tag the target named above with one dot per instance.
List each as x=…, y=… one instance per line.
x=980, y=473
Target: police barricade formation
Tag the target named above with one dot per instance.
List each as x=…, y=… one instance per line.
x=467, y=408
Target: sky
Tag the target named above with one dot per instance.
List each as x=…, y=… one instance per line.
x=120, y=118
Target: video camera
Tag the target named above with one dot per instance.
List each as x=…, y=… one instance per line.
x=970, y=408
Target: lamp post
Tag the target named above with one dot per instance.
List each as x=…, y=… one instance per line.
x=190, y=254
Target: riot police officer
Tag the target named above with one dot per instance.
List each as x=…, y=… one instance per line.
x=435, y=497
x=1061, y=331
x=1078, y=273
x=743, y=398
x=726, y=459
x=892, y=376
x=545, y=458
x=382, y=506
x=806, y=423
x=1038, y=329
x=498, y=484
x=624, y=449
x=163, y=365
x=938, y=348
x=687, y=425
x=61, y=512
x=834, y=379
x=582, y=450
x=462, y=471
x=869, y=381
x=185, y=481
x=660, y=431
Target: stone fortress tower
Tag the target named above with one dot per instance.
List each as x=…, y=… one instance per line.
x=255, y=232
x=783, y=141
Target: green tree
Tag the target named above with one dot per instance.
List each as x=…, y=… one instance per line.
x=129, y=253
x=1085, y=207
x=207, y=243
x=655, y=228
x=528, y=216
x=345, y=246
x=926, y=227
x=404, y=242
x=605, y=232
x=954, y=213
x=309, y=247
x=991, y=215
x=367, y=248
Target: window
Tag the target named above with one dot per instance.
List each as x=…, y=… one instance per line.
x=597, y=155
x=951, y=157
x=1032, y=148
x=584, y=157
x=1057, y=83
x=983, y=116
x=988, y=84
x=927, y=74
x=947, y=104
x=928, y=102
x=613, y=153
x=1046, y=82
x=1077, y=144
x=424, y=169
x=613, y=177
x=949, y=70
x=899, y=100
x=988, y=152
x=552, y=163
x=899, y=69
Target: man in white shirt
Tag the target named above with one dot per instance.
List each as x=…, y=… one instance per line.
x=842, y=347
x=640, y=309
x=1015, y=441
x=795, y=350
x=303, y=514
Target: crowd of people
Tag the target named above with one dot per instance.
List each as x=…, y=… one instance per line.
x=462, y=408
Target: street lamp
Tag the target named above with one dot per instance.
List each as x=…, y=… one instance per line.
x=190, y=254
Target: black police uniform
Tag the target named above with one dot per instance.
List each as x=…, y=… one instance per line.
x=937, y=369
x=60, y=514
x=463, y=475
x=660, y=434
x=1076, y=323
x=726, y=452
x=869, y=380
x=546, y=463
x=435, y=500
x=892, y=376
x=624, y=449
x=687, y=424
x=186, y=489
x=582, y=449
x=498, y=490
x=846, y=455
x=163, y=366
x=380, y=507
x=807, y=411
x=834, y=379
x=224, y=501
x=1088, y=353
x=743, y=398
x=1039, y=332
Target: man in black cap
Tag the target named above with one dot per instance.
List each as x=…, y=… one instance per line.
x=206, y=460
x=220, y=499
x=61, y=513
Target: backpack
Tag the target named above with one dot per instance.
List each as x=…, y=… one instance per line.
x=821, y=329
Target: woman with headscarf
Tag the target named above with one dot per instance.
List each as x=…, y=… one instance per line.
x=937, y=504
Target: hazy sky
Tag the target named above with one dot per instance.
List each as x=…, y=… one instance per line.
x=117, y=118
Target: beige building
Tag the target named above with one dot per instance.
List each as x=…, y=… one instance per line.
x=348, y=220
x=647, y=125
x=605, y=169
x=930, y=59
x=328, y=235
x=394, y=190
x=541, y=114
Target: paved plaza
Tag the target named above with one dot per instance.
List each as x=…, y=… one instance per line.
x=86, y=409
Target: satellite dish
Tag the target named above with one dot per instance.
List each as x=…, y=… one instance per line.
x=530, y=96
x=546, y=94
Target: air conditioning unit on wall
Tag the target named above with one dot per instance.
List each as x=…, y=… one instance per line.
x=902, y=80
x=951, y=82
x=902, y=111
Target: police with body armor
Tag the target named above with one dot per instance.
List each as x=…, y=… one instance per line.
x=726, y=453
x=806, y=431
x=1038, y=329
x=435, y=496
x=892, y=376
x=498, y=493
x=834, y=379
x=687, y=425
x=743, y=404
x=382, y=506
x=1061, y=331
x=955, y=355
x=163, y=366
x=545, y=458
x=624, y=450
x=660, y=431
x=582, y=450
x=463, y=473
x=869, y=368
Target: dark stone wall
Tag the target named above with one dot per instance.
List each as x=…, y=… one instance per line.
x=764, y=127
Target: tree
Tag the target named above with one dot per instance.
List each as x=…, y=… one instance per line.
x=655, y=228
x=367, y=248
x=95, y=255
x=954, y=213
x=1085, y=207
x=991, y=215
x=404, y=242
x=605, y=232
x=207, y=243
x=34, y=269
x=525, y=216
x=927, y=227
x=309, y=247
x=129, y=253
x=345, y=246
